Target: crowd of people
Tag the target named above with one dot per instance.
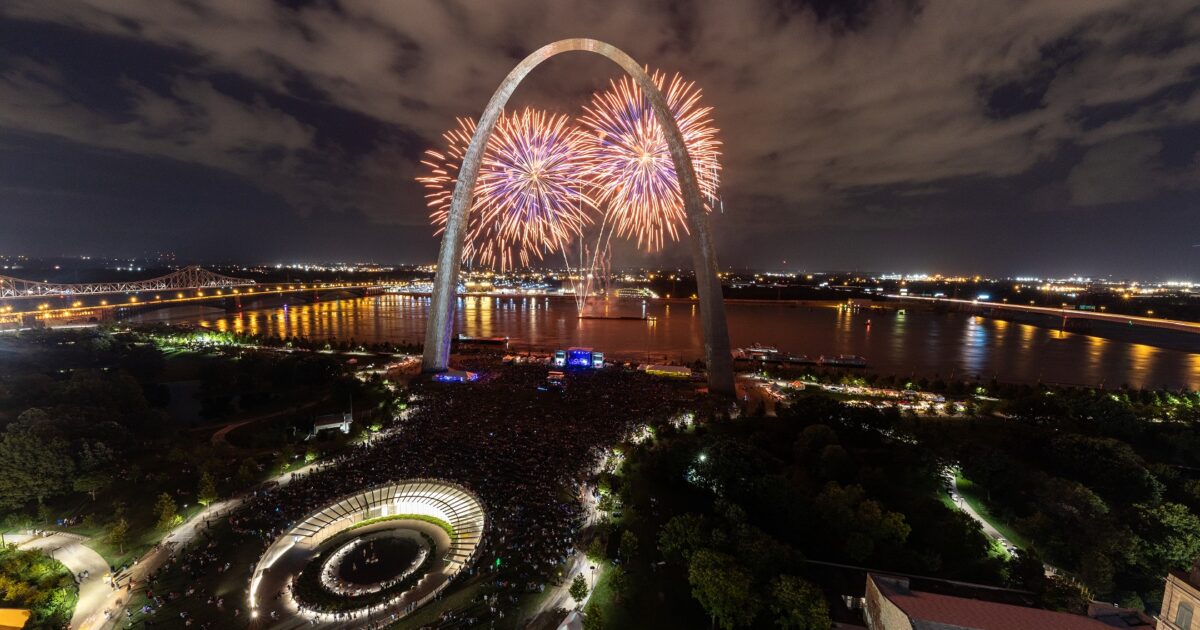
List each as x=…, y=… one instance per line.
x=523, y=451
x=335, y=578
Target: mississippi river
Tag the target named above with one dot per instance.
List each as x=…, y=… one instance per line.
x=916, y=343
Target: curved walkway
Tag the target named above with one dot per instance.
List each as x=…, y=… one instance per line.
x=291, y=552
x=220, y=437
x=284, y=612
x=116, y=600
x=78, y=557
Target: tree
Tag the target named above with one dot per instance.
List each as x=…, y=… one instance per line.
x=1069, y=523
x=798, y=604
x=1110, y=467
x=723, y=588
x=579, y=589
x=168, y=513
x=95, y=456
x=91, y=482
x=118, y=534
x=618, y=581
x=759, y=552
x=283, y=461
x=1168, y=537
x=143, y=362
x=1040, y=409
x=246, y=473
x=597, y=549
x=727, y=465
x=207, y=492
x=628, y=547
x=95, y=462
x=1027, y=571
x=1065, y=595
x=860, y=523
x=835, y=463
x=681, y=536
x=593, y=618
x=33, y=465
x=812, y=439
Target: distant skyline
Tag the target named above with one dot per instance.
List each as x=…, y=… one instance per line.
x=151, y=264
x=1047, y=138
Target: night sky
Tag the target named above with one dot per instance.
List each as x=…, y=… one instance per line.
x=1048, y=137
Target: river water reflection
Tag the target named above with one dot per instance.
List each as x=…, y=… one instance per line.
x=918, y=343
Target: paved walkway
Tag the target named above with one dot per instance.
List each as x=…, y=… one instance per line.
x=988, y=528
x=116, y=600
x=560, y=596
x=70, y=550
x=220, y=437
x=283, y=612
x=963, y=505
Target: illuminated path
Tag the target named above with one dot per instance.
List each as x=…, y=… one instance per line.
x=1128, y=320
x=154, y=559
x=70, y=550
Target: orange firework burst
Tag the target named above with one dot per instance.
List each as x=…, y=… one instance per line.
x=631, y=166
x=531, y=196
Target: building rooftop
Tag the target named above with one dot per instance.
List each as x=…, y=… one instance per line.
x=1191, y=580
x=931, y=611
x=1117, y=617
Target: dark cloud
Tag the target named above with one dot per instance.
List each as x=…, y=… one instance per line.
x=1123, y=169
x=845, y=116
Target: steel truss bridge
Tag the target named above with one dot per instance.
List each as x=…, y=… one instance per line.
x=188, y=278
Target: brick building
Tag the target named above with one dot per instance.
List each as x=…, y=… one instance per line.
x=1181, y=601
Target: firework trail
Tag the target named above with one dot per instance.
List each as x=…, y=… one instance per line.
x=542, y=179
x=532, y=195
x=631, y=165
x=632, y=168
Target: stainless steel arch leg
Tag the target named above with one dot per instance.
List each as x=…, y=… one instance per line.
x=440, y=325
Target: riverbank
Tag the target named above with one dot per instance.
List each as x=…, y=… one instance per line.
x=913, y=343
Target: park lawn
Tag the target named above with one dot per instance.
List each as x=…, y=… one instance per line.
x=182, y=364
x=139, y=502
x=138, y=499
x=459, y=598
x=143, y=534
x=944, y=496
x=603, y=597
x=972, y=494
x=530, y=603
x=231, y=585
x=274, y=424
x=635, y=612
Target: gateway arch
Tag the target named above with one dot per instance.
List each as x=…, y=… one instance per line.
x=439, y=329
